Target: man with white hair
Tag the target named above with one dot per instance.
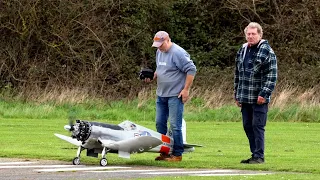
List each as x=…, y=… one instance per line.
x=254, y=80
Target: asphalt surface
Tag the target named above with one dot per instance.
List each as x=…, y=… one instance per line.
x=23, y=169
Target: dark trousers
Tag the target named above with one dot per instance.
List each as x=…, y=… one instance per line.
x=254, y=118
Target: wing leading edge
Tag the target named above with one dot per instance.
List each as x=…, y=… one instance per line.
x=69, y=139
x=191, y=145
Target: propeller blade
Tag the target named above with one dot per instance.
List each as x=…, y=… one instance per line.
x=71, y=116
x=68, y=127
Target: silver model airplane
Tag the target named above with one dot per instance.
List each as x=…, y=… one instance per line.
x=125, y=138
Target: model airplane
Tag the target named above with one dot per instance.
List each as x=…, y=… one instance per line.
x=125, y=138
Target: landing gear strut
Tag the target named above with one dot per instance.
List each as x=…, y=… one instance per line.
x=103, y=161
x=76, y=160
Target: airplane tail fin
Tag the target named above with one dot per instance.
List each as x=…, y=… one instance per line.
x=184, y=132
x=188, y=147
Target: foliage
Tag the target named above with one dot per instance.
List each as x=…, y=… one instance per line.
x=99, y=46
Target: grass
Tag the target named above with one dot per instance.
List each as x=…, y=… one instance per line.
x=282, y=176
x=290, y=147
x=292, y=135
x=195, y=110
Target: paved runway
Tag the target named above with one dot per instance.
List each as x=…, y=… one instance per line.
x=17, y=169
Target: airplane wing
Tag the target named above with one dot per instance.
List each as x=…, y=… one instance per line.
x=133, y=145
x=69, y=139
x=191, y=145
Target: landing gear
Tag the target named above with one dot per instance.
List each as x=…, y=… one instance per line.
x=103, y=161
x=76, y=160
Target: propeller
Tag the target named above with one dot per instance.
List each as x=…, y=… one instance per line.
x=69, y=127
x=80, y=130
x=71, y=117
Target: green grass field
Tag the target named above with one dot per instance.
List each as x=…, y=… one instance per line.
x=290, y=147
x=292, y=136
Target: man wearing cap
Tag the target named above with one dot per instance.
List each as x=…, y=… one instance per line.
x=175, y=73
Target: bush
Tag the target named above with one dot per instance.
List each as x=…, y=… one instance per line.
x=100, y=45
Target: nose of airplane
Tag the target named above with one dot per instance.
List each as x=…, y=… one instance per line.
x=81, y=130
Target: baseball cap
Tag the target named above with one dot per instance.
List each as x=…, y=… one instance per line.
x=159, y=38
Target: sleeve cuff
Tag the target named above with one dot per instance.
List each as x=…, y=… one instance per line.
x=263, y=94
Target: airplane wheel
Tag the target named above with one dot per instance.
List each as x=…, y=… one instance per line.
x=76, y=161
x=103, y=162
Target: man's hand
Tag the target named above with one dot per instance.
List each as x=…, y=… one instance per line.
x=185, y=91
x=238, y=104
x=185, y=95
x=261, y=100
x=148, y=80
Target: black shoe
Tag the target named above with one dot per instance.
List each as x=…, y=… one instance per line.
x=246, y=161
x=256, y=160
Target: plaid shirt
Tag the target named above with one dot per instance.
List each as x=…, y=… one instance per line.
x=259, y=79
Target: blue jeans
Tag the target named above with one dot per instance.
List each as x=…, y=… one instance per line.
x=254, y=119
x=171, y=108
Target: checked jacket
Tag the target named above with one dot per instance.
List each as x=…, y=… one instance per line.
x=260, y=76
